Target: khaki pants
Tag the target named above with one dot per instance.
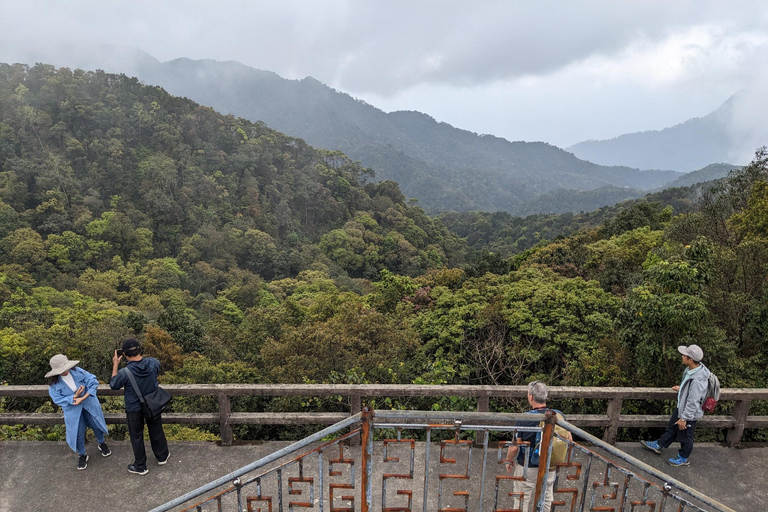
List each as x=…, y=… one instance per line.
x=528, y=487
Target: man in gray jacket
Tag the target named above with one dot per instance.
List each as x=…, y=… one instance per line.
x=691, y=394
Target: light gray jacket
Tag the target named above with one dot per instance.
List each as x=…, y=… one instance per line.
x=692, y=395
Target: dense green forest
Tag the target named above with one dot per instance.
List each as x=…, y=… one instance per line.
x=239, y=254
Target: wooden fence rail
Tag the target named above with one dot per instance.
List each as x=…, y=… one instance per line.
x=611, y=421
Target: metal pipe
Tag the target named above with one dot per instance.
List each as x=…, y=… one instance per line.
x=486, y=435
x=320, y=480
x=426, y=467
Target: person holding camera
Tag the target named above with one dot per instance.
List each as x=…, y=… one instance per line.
x=145, y=371
x=74, y=390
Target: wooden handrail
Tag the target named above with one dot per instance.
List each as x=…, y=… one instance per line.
x=611, y=421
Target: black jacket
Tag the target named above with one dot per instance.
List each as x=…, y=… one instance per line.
x=145, y=372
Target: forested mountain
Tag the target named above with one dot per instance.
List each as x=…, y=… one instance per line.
x=143, y=174
x=505, y=235
x=685, y=147
x=709, y=173
x=236, y=253
x=563, y=200
x=444, y=167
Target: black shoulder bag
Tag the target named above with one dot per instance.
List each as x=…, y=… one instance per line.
x=153, y=403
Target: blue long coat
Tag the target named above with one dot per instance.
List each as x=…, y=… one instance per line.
x=63, y=396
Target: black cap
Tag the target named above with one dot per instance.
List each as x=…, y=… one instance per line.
x=131, y=345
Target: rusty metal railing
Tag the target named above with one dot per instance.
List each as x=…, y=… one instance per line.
x=426, y=460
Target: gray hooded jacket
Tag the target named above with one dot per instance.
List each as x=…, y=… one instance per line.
x=692, y=395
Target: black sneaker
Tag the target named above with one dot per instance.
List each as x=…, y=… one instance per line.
x=82, y=462
x=164, y=462
x=104, y=449
x=135, y=470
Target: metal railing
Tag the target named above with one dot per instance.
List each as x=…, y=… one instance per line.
x=399, y=470
x=611, y=421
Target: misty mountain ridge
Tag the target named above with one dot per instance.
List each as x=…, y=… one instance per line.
x=565, y=200
x=711, y=172
x=446, y=168
x=684, y=147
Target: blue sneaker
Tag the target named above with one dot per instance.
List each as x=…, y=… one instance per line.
x=653, y=446
x=678, y=461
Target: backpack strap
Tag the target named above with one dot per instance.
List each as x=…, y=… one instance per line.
x=133, y=383
x=713, y=387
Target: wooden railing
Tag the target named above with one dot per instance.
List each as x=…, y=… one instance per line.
x=611, y=421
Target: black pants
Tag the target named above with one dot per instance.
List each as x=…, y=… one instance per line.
x=684, y=436
x=156, y=437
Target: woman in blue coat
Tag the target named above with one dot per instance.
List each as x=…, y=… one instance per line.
x=74, y=390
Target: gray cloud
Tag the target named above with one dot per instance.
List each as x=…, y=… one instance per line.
x=516, y=69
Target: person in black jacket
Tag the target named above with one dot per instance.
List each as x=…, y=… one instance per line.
x=144, y=370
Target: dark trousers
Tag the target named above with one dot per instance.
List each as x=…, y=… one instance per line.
x=684, y=436
x=157, y=439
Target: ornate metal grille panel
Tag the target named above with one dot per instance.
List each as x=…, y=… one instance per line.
x=410, y=461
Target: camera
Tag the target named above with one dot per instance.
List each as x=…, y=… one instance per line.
x=119, y=352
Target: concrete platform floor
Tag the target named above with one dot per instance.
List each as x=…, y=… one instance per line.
x=42, y=476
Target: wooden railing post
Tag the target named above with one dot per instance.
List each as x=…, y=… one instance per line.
x=614, y=412
x=740, y=412
x=483, y=405
x=224, y=426
x=355, y=406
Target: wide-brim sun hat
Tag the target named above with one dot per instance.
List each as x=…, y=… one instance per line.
x=60, y=364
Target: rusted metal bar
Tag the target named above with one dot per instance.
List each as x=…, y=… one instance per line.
x=367, y=459
x=740, y=413
x=614, y=411
x=224, y=426
x=545, y=449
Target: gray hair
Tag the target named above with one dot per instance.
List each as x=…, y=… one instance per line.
x=538, y=391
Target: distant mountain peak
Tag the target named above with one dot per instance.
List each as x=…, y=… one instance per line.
x=685, y=147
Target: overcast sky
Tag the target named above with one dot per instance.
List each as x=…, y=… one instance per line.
x=557, y=71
